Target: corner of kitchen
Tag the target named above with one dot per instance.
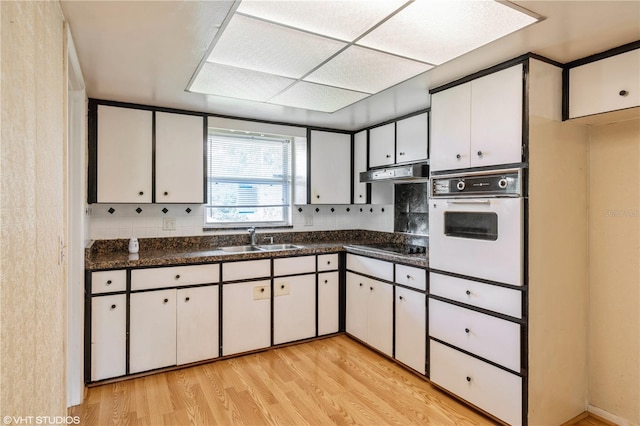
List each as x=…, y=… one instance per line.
x=278, y=219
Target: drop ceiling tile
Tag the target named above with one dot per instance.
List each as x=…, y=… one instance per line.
x=344, y=20
x=261, y=46
x=366, y=70
x=222, y=80
x=439, y=30
x=317, y=97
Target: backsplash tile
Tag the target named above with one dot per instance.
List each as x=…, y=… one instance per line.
x=115, y=221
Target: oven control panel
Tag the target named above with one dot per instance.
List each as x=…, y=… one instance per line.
x=501, y=183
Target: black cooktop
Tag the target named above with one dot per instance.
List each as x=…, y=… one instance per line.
x=394, y=248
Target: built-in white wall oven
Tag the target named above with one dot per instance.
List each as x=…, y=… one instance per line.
x=476, y=225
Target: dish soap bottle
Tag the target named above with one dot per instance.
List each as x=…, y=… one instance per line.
x=133, y=245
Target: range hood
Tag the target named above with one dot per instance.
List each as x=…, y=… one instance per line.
x=418, y=172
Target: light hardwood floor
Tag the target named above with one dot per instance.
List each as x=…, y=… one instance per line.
x=324, y=382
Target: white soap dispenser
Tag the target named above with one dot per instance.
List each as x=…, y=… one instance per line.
x=133, y=245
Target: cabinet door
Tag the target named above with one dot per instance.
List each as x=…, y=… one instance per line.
x=411, y=330
x=359, y=165
x=124, y=155
x=179, y=158
x=496, y=118
x=451, y=128
x=380, y=316
x=197, y=324
x=330, y=172
x=152, y=330
x=246, y=316
x=606, y=85
x=412, y=136
x=328, y=303
x=382, y=145
x=294, y=308
x=357, y=299
x=108, y=336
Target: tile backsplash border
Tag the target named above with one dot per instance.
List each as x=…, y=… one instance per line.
x=117, y=221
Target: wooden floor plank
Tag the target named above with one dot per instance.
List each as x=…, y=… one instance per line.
x=330, y=381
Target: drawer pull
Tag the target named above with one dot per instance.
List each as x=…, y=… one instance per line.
x=468, y=379
x=186, y=299
x=166, y=193
x=401, y=298
x=328, y=262
x=371, y=288
x=408, y=277
x=141, y=193
x=458, y=156
x=360, y=284
x=468, y=292
x=262, y=290
x=282, y=287
x=109, y=282
x=623, y=93
x=113, y=306
x=466, y=330
x=177, y=277
x=480, y=154
x=165, y=301
x=326, y=281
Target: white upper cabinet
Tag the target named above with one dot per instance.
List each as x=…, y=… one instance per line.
x=412, y=135
x=478, y=123
x=609, y=84
x=124, y=151
x=125, y=157
x=496, y=118
x=330, y=172
x=382, y=142
x=179, y=158
x=450, y=128
x=359, y=166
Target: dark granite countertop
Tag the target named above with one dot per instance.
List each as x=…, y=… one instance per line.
x=113, y=254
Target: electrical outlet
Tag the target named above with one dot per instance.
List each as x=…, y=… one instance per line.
x=308, y=220
x=168, y=223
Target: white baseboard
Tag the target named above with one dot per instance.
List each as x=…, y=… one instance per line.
x=608, y=416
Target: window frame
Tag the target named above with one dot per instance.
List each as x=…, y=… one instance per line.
x=287, y=182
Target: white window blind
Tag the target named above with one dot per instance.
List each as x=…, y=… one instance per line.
x=249, y=179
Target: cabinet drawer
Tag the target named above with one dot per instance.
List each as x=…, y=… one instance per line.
x=108, y=281
x=328, y=262
x=493, y=390
x=411, y=277
x=498, y=299
x=294, y=265
x=246, y=270
x=488, y=337
x=595, y=87
x=175, y=276
x=368, y=266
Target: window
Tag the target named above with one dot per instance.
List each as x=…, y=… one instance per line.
x=248, y=179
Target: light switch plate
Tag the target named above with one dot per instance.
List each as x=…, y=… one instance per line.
x=261, y=292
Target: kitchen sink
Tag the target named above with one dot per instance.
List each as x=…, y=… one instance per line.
x=240, y=249
x=267, y=247
x=273, y=247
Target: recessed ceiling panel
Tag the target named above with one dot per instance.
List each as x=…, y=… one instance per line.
x=257, y=45
x=317, y=97
x=439, y=30
x=366, y=70
x=345, y=20
x=231, y=82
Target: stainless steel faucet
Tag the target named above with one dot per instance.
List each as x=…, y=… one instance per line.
x=252, y=234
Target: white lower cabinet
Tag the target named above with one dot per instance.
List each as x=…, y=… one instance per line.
x=108, y=336
x=411, y=333
x=370, y=311
x=294, y=308
x=490, y=388
x=246, y=316
x=328, y=303
x=197, y=324
x=152, y=330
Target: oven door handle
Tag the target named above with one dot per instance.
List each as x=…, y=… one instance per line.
x=476, y=202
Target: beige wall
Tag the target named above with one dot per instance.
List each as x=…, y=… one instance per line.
x=32, y=288
x=614, y=225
